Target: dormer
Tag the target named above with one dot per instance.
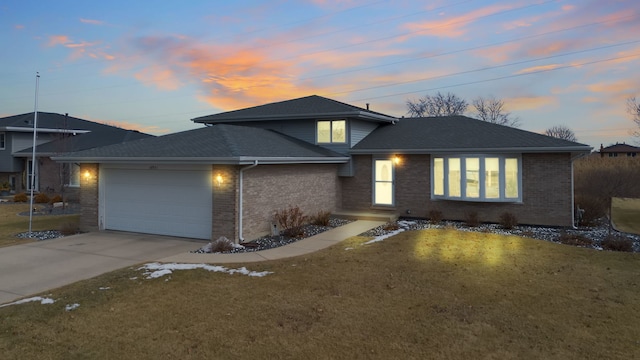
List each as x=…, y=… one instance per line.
x=315, y=119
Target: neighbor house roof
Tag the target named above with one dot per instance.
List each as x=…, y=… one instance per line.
x=50, y=122
x=620, y=148
x=212, y=144
x=83, y=141
x=309, y=107
x=458, y=134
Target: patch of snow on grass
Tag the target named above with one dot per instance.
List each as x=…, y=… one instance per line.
x=383, y=237
x=43, y=301
x=71, y=307
x=104, y=288
x=156, y=270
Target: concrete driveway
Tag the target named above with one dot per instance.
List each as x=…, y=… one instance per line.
x=39, y=266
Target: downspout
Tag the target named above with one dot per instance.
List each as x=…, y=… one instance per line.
x=240, y=207
x=573, y=199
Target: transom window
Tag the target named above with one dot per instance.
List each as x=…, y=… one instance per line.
x=2, y=141
x=477, y=178
x=332, y=131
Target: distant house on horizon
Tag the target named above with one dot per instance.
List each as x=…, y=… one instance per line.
x=619, y=150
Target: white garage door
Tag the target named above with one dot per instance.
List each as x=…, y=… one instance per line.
x=174, y=202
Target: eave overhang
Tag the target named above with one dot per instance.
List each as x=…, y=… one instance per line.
x=239, y=160
x=364, y=115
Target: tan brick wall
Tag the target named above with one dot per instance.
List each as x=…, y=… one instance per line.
x=225, y=206
x=546, y=191
x=50, y=180
x=268, y=188
x=89, y=197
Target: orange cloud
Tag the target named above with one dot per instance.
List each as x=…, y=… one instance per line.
x=539, y=68
x=530, y=102
x=148, y=129
x=454, y=26
x=58, y=40
x=18, y=27
x=499, y=54
x=163, y=78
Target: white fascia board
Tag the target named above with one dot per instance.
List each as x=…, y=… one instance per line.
x=211, y=160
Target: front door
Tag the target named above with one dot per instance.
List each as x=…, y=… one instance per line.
x=383, y=182
x=32, y=178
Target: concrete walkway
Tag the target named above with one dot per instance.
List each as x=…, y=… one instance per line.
x=36, y=267
x=302, y=247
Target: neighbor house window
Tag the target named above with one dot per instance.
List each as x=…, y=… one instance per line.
x=332, y=131
x=383, y=182
x=2, y=140
x=74, y=174
x=477, y=178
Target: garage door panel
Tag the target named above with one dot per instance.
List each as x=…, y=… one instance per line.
x=167, y=202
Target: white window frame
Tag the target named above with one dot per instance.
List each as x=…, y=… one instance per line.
x=73, y=179
x=391, y=182
x=331, y=141
x=463, y=178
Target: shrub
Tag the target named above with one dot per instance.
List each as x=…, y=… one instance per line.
x=69, y=228
x=574, y=239
x=41, y=198
x=471, y=219
x=55, y=199
x=222, y=244
x=615, y=242
x=508, y=220
x=391, y=226
x=291, y=221
x=435, y=216
x=321, y=218
x=594, y=208
x=22, y=197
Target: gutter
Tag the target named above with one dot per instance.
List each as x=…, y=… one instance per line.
x=474, y=150
x=240, y=207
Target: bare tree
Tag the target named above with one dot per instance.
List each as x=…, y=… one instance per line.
x=492, y=110
x=437, y=105
x=633, y=107
x=561, y=132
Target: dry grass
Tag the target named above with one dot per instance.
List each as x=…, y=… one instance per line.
x=625, y=213
x=421, y=294
x=12, y=224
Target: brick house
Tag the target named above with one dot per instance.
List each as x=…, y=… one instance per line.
x=229, y=177
x=55, y=134
x=619, y=150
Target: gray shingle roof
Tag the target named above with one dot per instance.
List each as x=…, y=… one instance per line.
x=620, y=148
x=459, y=133
x=85, y=141
x=308, y=107
x=217, y=143
x=47, y=120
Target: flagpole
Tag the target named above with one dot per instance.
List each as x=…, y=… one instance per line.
x=32, y=180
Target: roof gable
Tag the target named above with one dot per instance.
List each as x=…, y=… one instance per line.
x=459, y=134
x=308, y=107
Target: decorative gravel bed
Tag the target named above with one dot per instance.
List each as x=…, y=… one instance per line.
x=273, y=241
x=596, y=234
x=40, y=235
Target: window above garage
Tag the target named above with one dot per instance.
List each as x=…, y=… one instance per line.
x=487, y=178
x=331, y=131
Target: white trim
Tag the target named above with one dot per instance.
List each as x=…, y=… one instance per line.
x=374, y=181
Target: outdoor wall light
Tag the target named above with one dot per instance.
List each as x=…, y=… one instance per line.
x=397, y=160
x=219, y=180
x=87, y=175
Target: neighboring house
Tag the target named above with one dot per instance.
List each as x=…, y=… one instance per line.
x=229, y=178
x=619, y=150
x=56, y=134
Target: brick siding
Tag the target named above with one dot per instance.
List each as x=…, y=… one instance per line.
x=268, y=188
x=89, y=197
x=225, y=205
x=546, y=189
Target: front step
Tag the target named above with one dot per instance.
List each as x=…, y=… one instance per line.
x=375, y=215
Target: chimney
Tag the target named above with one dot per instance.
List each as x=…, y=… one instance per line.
x=367, y=106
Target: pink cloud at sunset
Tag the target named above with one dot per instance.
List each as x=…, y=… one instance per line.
x=91, y=21
x=454, y=26
x=530, y=102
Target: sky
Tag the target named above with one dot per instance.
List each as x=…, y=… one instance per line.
x=155, y=65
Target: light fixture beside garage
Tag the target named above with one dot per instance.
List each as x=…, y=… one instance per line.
x=87, y=175
x=219, y=180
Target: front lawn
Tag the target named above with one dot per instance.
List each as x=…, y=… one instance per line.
x=11, y=223
x=625, y=213
x=425, y=294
